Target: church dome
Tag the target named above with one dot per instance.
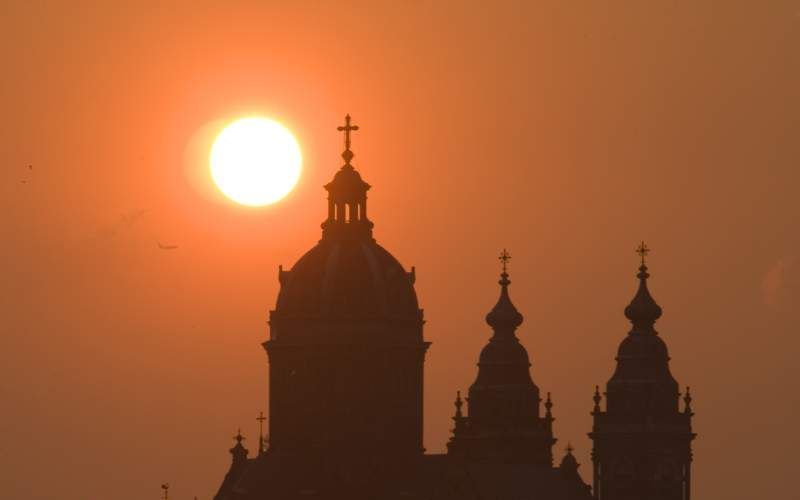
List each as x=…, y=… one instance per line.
x=643, y=355
x=347, y=275
x=348, y=278
x=643, y=311
x=504, y=360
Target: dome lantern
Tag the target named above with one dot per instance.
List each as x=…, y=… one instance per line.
x=347, y=197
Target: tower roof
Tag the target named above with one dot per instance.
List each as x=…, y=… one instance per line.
x=504, y=360
x=504, y=423
x=642, y=356
x=504, y=347
x=643, y=311
x=504, y=317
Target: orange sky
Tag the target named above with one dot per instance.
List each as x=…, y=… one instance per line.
x=565, y=131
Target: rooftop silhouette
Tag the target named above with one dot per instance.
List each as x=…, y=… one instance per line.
x=346, y=355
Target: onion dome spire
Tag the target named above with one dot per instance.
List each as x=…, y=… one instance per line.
x=504, y=423
x=504, y=317
x=643, y=311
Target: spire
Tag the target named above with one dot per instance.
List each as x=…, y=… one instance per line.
x=548, y=406
x=643, y=310
x=458, y=418
x=504, y=422
x=504, y=317
x=687, y=401
x=597, y=398
x=459, y=403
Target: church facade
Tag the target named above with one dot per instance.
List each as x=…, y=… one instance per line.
x=346, y=355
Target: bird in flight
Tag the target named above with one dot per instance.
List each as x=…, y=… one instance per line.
x=166, y=247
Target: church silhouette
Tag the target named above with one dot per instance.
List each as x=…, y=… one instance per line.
x=346, y=354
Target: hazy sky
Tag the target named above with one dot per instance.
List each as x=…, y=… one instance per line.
x=564, y=131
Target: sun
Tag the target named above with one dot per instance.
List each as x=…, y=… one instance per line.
x=255, y=161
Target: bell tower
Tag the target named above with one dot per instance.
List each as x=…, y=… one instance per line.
x=504, y=423
x=642, y=440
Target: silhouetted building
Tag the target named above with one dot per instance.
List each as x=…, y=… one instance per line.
x=642, y=441
x=504, y=423
x=346, y=355
x=346, y=350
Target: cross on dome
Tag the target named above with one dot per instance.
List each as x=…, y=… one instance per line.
x=643, y=250
x=504, y=258
x=347, y=128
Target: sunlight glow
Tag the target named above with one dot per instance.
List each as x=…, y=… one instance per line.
x=255, y=161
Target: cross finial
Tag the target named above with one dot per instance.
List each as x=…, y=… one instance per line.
x=569, y=448
x=347, y=128
x=643, y=250
x=261, y=419
x=238, y=437
x=504, y=258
